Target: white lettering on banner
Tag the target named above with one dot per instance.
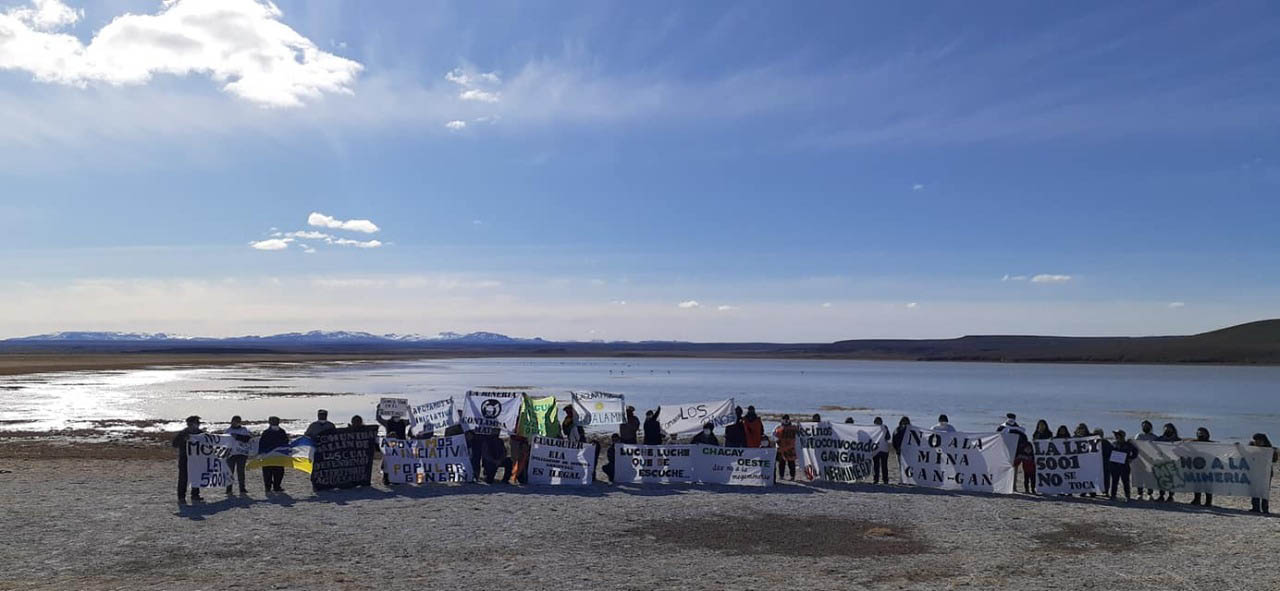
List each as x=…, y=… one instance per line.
x=207, y=460
x=737, y=466
x=838, y=452
x=686, y=419
x=557, y=461
x=953, y=460
x=1228, y=469
x=419, y=461
x=1069, y=466
x=439, y=414
x=652, y=464
x=492, y=412
x=598, y=408
x=393, y=408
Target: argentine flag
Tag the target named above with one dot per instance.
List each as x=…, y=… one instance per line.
x=296, y=455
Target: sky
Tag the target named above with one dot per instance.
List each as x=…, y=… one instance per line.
x=707, y=171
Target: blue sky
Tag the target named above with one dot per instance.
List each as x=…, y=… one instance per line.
x=802, y=172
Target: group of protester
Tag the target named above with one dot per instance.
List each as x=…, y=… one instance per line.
x=489, y=453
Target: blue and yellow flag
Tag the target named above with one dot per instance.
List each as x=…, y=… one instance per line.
x=296, y=455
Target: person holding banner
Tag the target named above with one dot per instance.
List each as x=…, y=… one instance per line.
x=273, y=437
x=735, y=435
x=1117, y=461
x=903, y=424
x=1146, y=435
x=786, y=434
x=1169, y=435
x=396, y=426
x=320, y=425
x=1042, y=430
x=180, y=442
x=707, y=436
x=237, y=461
x=944, y=424
x=880, y=461
x=630, y=427
x=652, y=427
x=753, y=427
x=1202, y=435
x=1261, y=505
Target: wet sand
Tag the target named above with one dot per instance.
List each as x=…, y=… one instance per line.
x=80, y=515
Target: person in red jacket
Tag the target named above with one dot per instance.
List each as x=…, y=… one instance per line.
x=753, y=426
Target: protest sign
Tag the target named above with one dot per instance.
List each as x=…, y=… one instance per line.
x=418, y=461
x=738, y=466
x=1229, y=469
x=207, y=460
x=343, y=458
x=491, y=413
x=1069, y=466
x=976, y=462
x=557, y=461
x=838, y=452
x=598, y=408
x=540, y=416
x=438, y=415
x=648, y=464
x=687, y=419
x=393, y=408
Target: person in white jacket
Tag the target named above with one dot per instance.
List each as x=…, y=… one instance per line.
x=238, y=456
x=944, y=424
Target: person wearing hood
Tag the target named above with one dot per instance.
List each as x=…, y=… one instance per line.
x=273, y=437
x=944, y=424
x=1010, y=425
x=1117, y=461
x=180, y=442
x=320, y=425
x=880, y=461
x=1169, y=434
x=1146, y=435
x=785, y=435
x=1202, y=435
x=1260, y=505
x=630, y=427
x=753, y=427
x=652, y=428
x=236, y=461
x=735, y=435
x=706, y=436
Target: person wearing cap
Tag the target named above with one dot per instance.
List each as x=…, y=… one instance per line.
x=321, y=424
x=1122, y=454
x=944, y=424
x=180, y=442
x=236, y=461
x=630, y=427
x=273, y=437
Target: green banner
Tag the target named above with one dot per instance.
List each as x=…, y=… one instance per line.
x=540, y=416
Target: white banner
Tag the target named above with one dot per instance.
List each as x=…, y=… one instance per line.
x=839, y=452
x=1229, y=469
x=687, y=419
x=207, y=460
x=738, y=466
x=646, y=464
x=1069, y=466
x=556, y=461
x=418, y=461
x=492, y=412
x=976, y=462
x=394, y=408
x=598, y=408
x=440, y=414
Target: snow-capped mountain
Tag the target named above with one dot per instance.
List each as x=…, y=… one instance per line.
x=311, y=337
x=103, y=336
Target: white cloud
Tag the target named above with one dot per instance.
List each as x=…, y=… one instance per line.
x=308, y=234
x=826, y=304
x=1176, y=305
x=323, y=221
x=913, y=305
x=241, y=44
x=726, y=308
x=272, y=244
x=475, y=94
x=476, y=86
x=477, y=222
x=618, y=302
x=1047, y=278
x=687, y=304
x=1008, y=277
x=307, y=249
x=456, y=124
x=917, y=187
x=355, y=243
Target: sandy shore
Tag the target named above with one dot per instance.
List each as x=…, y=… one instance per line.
x=104, y=516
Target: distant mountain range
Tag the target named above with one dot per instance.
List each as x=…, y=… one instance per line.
x=1252, y=343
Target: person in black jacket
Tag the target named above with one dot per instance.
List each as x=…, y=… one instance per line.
x=396, y=428
x=880, y=461
x=180, y=442
x=1260, y=505
x=630, y=427
x=735, y=435
x=614, y=440
x=900, y=433
x=1202, y=434
x=1119, y=471
x=652, y=428
x=274, y=436
x=707, y=436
